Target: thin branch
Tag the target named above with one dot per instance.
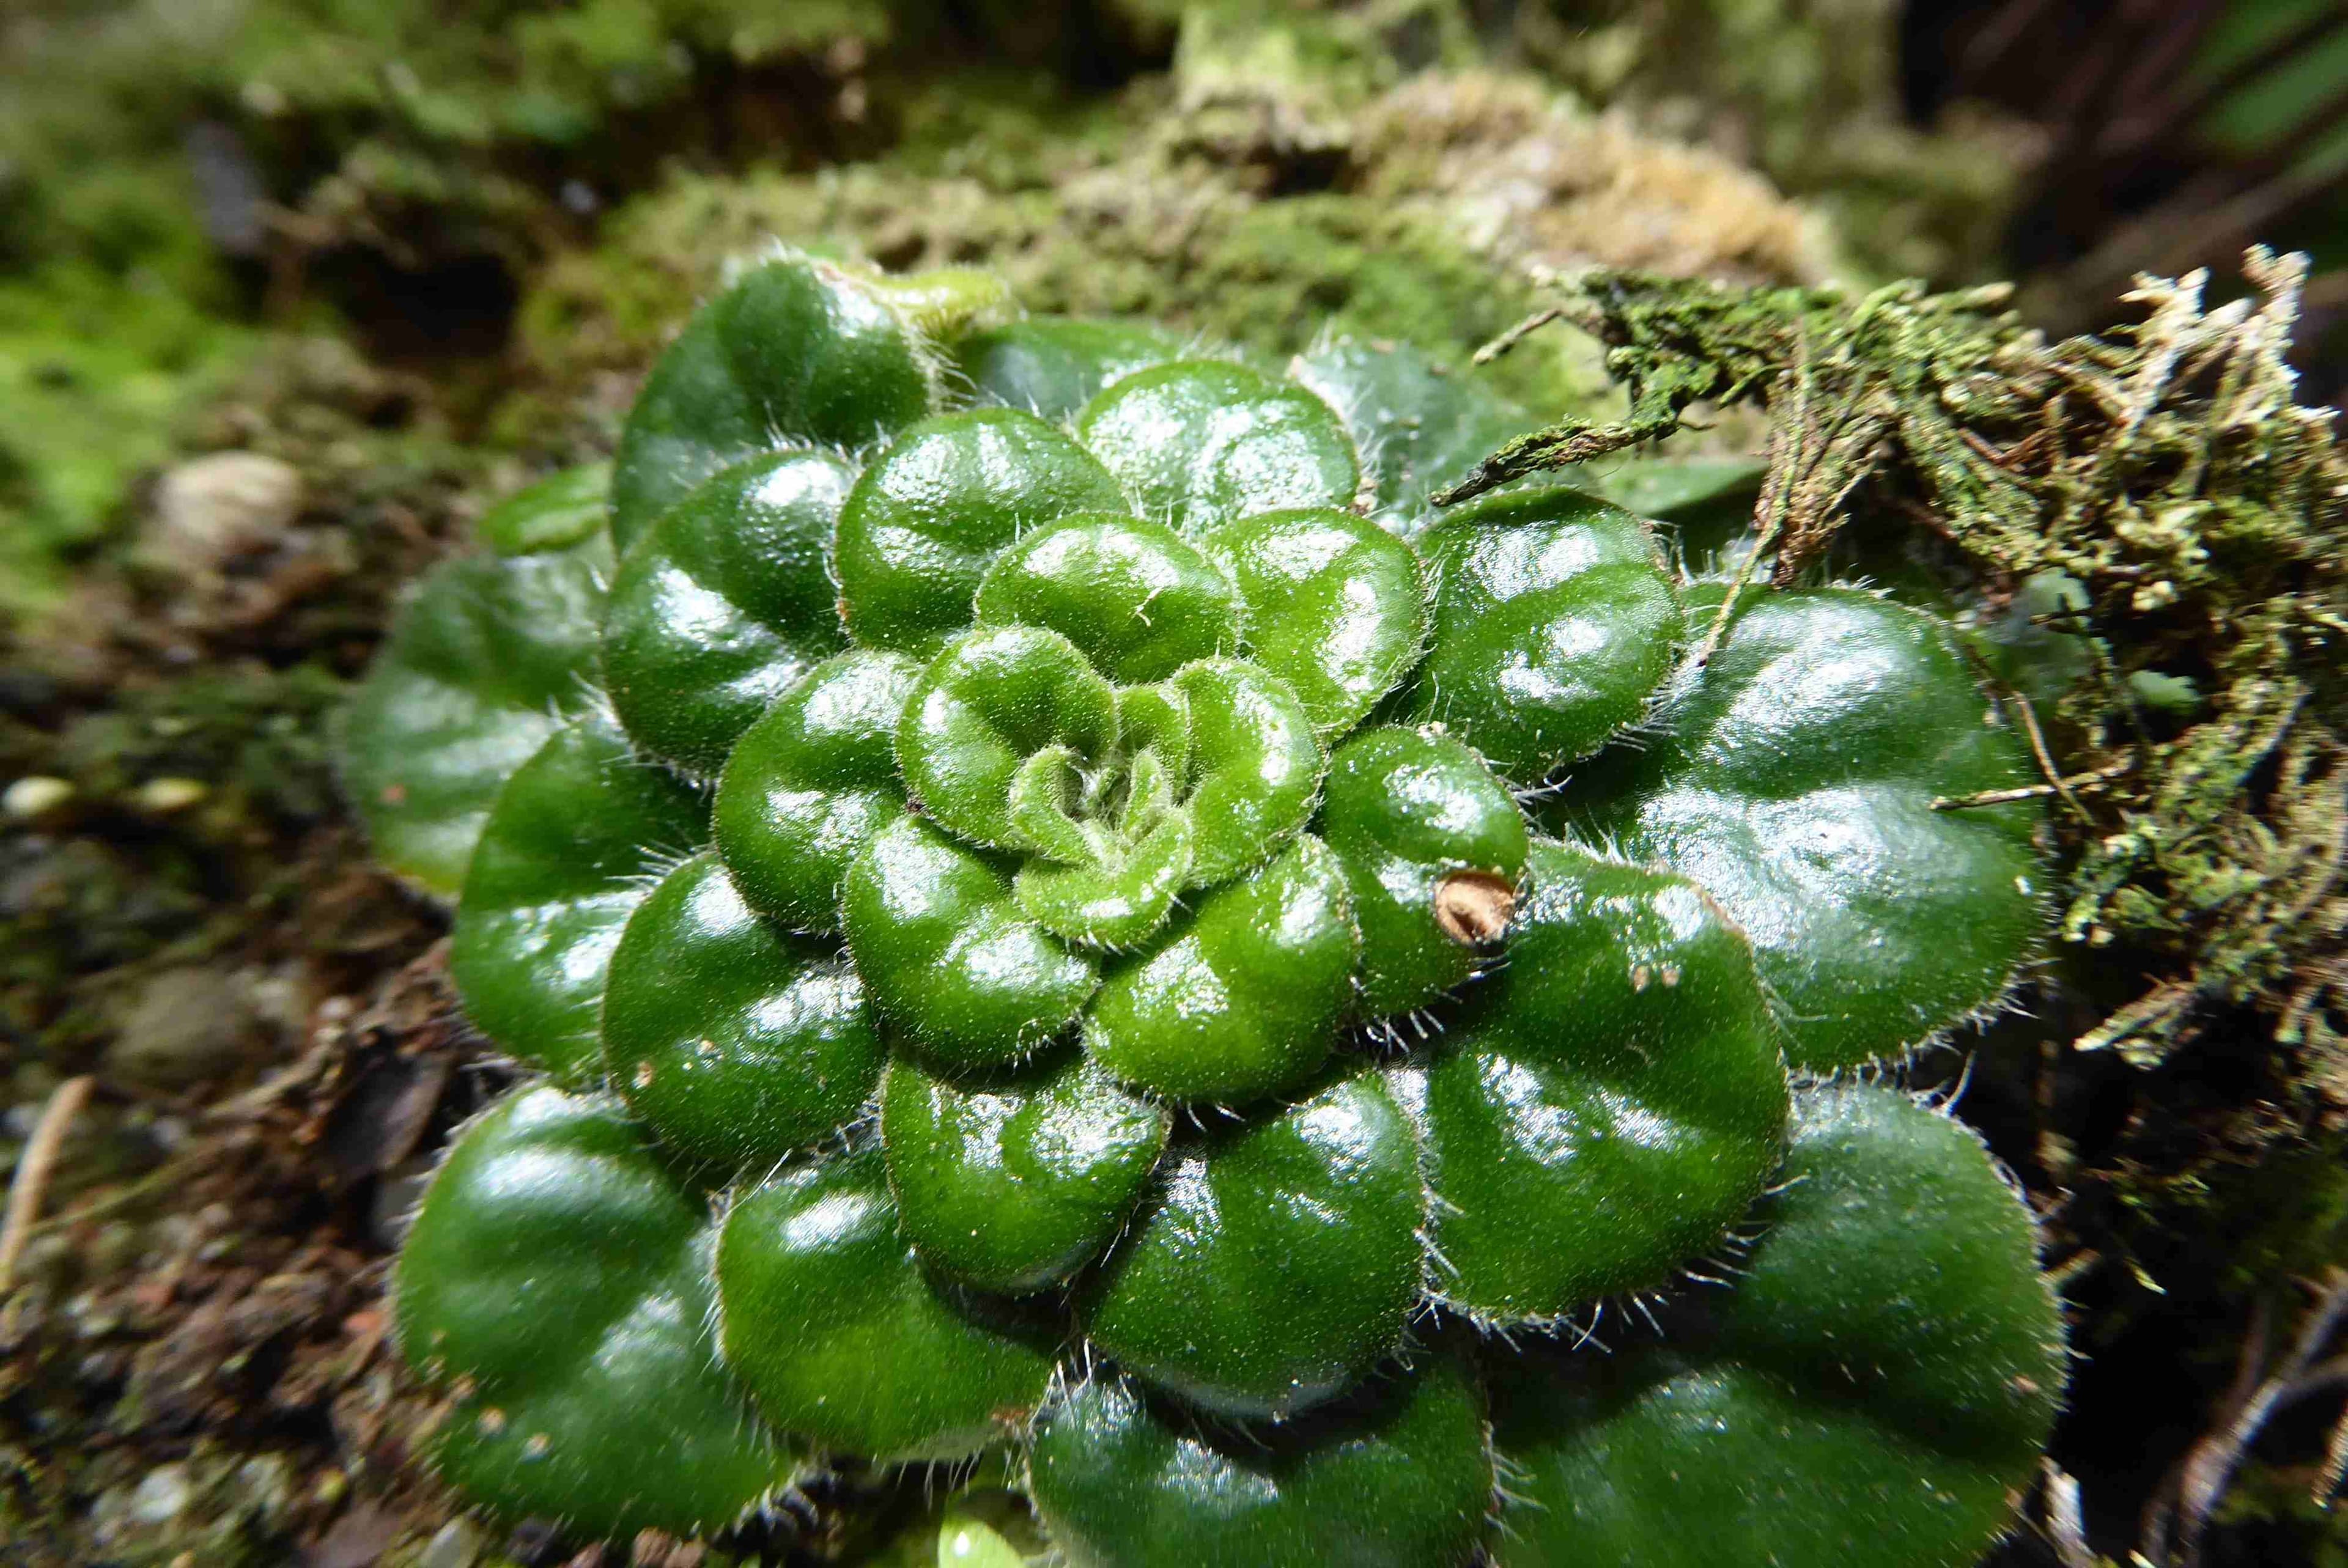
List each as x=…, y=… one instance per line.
x=2063, y=786
x=1517, y=333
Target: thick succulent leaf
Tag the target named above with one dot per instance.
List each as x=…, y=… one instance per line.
x=945, y=303
x=722, y=603
x=828, y=1317
x=1420, y=428
x=987, y=704
x=485, y=662
x=735, y=1044
x=1139, y=598
x=1876, y=1388
x=1795, y=784
x=811, y=783
x=558, y=512
x=692, y=419
x=1201, y=442
x=1331, y=603
x=1707, y=501
x=948, y=956
x=931, y=513
x=1613, y=1102
x=1243, y=998
x=1115, y=902
x=1671, y=489
x=1553, y=626
x=1052, y=366
x=557, y=1280
x=1397, y=1477
x=1416, y=817
x=562, y=865
x=1254, y=768
x=798, y=353
x=1014, y=1183
x=1277, y=1264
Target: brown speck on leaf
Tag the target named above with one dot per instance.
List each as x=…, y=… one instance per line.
x=1640, y=975
x=491, y=1421
x=1473, y=906
x=395, y=795
x=643, y=1075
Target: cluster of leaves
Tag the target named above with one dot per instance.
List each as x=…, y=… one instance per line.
x=1059, y=906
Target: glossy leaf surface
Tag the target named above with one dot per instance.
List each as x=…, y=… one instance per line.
x=1613, y=1101
x=1553, y=626
x=811, y=782
x=722, y=603
x=1399, y=1477
x=1277, y=1264
x=736, y=1044
x=1332, y=604
x=561, y=511
x=796, y=353
x=1051, y=367
x=1114, y=900
x=1706, y=502
x=1420, y=428
x=1878, y=1387
x=1012, y=1182
x=1795, y=784
x=993, y=701
x=829, y=1317
x=948, y=957
x=557, y=1281
x=1254, y=768
x=481, y=665
x=1241, y=998
x=1200, y=441
x=1408, y=811
x=1136, y=597
x=931, y=514
x=561, y=867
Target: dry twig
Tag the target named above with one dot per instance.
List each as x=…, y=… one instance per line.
x=31, y=1180
x=2179, y=1513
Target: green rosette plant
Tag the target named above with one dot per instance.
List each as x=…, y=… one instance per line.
x=1047, y=899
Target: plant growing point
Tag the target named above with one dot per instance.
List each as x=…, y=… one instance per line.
x=1053, y=902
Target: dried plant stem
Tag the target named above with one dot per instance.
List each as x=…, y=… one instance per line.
x=1517, y=333
x=2181, y=1512
x=31, y=1180
x=2063, y=786
x=2064, y=1526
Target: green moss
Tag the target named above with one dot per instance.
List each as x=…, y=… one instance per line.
x=108, y=336
x=1260, y=275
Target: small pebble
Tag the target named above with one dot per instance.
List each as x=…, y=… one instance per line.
x=455, y=1547
x=161, y=1496
x=163, y=796
x=34, y=796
